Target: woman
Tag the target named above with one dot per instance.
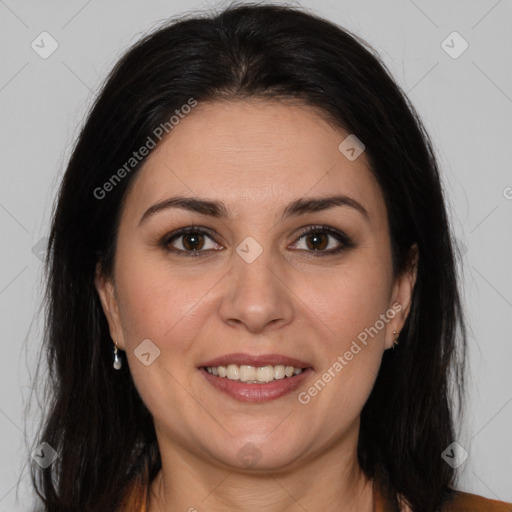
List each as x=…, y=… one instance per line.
x=252, y=292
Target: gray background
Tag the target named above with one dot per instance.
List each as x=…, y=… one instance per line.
x=466, y=105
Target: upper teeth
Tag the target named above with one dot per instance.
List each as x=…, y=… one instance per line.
x=253, y=374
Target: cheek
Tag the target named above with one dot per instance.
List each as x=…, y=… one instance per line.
x=157, y=301
x=351, y=350
x=349, y=300
x=349, y=303
x=353, y=304
x=160, y=304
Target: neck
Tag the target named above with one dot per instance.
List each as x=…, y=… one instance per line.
x=332, y=480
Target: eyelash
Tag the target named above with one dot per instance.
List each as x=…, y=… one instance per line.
x=345, y=241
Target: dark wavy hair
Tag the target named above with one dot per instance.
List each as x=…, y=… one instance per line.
x=95, y=418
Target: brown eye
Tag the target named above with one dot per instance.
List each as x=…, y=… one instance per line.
x=323, y=240
x=316, y=241
x=193, y=241
x=190, y=241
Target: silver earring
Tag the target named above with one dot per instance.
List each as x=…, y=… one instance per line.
x=395, y=340
x=117, y=360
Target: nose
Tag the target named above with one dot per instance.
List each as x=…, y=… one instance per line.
x=258, y=295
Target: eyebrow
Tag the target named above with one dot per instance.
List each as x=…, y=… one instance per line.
x=218, y=209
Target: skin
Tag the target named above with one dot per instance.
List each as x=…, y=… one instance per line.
x=255, y=156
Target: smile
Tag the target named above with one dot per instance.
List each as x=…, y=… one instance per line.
x=254, y=374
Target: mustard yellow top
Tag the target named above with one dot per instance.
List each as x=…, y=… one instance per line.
x=136, y=493
x=461, y=502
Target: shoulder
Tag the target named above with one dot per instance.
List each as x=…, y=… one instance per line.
x=466, y=502
x=134, y=497
x=454, y=501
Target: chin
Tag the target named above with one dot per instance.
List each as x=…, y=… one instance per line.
x=265, y=452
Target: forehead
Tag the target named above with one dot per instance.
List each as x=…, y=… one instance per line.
x=252, y=155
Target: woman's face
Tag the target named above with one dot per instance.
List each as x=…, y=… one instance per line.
x=246, y=287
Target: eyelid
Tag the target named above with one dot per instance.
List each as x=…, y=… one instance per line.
x=342, y=238
x=178, y=233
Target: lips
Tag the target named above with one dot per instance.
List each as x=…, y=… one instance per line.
x=240, y=359
x=252, y=391
x=261, y=392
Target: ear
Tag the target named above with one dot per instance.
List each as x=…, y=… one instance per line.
x=106, y=291
x=401, y=296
